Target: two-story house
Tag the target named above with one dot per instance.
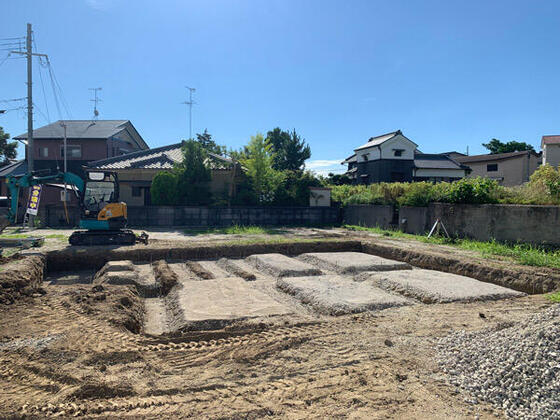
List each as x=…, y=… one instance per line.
x=86, y=141
x=392, y=157
x=508, y=169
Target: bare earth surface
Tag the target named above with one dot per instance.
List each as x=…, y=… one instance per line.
x=101, y=350
x=67, y=355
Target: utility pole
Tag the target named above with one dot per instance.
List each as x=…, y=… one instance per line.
x=95, y=101
x=29, y=53
x=190, y=104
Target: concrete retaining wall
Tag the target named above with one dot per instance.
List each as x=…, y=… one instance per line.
x=369, y=216
x=531, y=224
x=167, y=216
x=502, y=222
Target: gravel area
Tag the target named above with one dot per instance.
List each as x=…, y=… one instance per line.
x=516, y=367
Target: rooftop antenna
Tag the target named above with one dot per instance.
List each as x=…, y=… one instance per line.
x=190, y=103
x=95, y=100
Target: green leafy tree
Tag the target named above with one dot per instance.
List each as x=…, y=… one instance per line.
x=338, y=179
x=294, y=190
x=208, y=144
x=264, y=179
x=164, y=188
x=193, y=175
x=8, y=150
x=497, y=146
x=290, y=150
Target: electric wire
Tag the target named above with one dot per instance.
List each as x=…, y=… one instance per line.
x=42, y=84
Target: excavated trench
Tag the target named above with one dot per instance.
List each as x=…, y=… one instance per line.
x=208, y=288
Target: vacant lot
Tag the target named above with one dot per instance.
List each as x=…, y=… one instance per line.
x=265, y=342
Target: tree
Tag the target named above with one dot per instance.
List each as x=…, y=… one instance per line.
x=258, y=161
x=193, y=175
x=8, y=150
x=208, y=144
x=164, y=188
x=338, y=179
x=290, y=150
x=496, y=146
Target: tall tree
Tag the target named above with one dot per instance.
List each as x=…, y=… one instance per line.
x=8, y=150
x=290, y=150
x=194, y=175
x=208, y=144
x=497, y=146
x=258, y=161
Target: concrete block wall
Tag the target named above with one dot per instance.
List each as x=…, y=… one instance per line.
x=167, y=216
x=503, y=222
x=369, y=216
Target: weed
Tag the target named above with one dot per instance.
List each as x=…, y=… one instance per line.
x=524, y=254
x=554, y=297
x=236, y=230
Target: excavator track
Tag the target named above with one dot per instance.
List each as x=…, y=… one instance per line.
x=102, y=237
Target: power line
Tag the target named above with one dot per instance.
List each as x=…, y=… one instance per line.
x=42, y=84
x=53, y=86
x=12, y=100
x=62, y=99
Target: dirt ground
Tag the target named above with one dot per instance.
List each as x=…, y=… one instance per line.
x=80, y=350
x=72, y=352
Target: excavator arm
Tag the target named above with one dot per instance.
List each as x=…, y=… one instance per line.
x=28, y=180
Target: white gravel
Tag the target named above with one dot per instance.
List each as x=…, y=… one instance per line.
x=516, y=368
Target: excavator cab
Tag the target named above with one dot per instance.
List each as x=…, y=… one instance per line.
x=101, y=209
x=103, y=215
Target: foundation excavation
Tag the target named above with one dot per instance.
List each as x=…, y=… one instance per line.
x=315, y=328
x=274, y=288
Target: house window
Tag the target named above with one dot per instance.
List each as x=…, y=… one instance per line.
x=492, y=167
x=43, y=152
x=74, y=151
x=365, y=157
x=398, y=152
x=136, y=192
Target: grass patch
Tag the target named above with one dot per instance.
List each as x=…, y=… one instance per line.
x=32, y=235
x=236, y=230
x=524, y=254
x=554, y=297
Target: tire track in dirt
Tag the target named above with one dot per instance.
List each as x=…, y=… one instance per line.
x=322, y=379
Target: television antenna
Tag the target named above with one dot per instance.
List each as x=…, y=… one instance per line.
x=190, y=103
x=95, y=100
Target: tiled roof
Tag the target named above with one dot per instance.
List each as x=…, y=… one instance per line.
x=376, y=141
x=350, y=159
x=18, y=168
x=160, y=158
x=550, y=140
x=78, y=129
x=492, y=157
x=435, y=161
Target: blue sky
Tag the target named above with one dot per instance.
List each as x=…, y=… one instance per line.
x=449, y=74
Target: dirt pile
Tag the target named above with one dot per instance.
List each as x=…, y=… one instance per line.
x=120, y=305
x=166, y=277
x=21, y=277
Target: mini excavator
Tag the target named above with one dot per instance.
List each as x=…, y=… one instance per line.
x=101, y=213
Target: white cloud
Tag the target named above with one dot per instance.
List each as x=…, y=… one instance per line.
x=101, y=5
x=323, y=167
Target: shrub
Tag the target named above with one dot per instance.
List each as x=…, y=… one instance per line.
x=417, y=195
x=164, y=189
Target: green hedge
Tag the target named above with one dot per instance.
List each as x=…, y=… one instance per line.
x=543, y=188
